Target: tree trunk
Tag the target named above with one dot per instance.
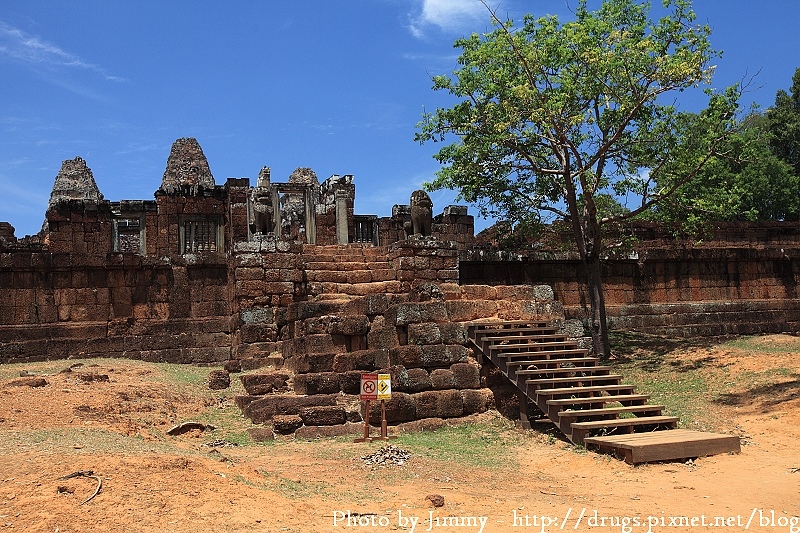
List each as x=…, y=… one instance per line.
x=597, y=321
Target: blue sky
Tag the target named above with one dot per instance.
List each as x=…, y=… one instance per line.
x=335, y=85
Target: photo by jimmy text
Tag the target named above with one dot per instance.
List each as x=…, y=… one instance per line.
x=571, y=520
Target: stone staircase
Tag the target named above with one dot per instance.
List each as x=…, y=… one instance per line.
x=343, y=271
x=583, y=398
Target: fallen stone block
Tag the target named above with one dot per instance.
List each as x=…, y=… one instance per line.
x=418, y=380
x=319, y=383
x=466, y=376
x=217, y=379
x=244, y=400
x=233, y=366
x=28, y=382
x=260, y=384
x=316, y=432
x=477, y=400
x=262, y=434
x=401, y=408
x=442, y=378
x=286, y=424
x=325, y=415
x=262, y=410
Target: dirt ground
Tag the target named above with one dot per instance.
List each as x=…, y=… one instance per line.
x=153, y=482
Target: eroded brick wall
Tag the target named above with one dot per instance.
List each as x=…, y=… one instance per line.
x=692, y=291
x=74, y=305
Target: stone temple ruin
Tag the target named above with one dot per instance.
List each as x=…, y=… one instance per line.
x=284, y=278
x=277, y=275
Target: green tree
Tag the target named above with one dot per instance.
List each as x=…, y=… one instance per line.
x=784, y=124
x=746, y=181
x=552, y=115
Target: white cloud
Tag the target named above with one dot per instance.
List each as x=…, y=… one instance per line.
x=37, y=53
x=448, y=15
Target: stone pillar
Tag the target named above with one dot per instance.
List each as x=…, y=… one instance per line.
x=238, y=210
x=342, y=234
x=311, y=216
x=276, y=210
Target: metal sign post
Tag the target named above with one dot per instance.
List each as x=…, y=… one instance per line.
x=369, y=392
x=375, y=387
x=384, y=393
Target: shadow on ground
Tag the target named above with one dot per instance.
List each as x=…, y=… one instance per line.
x=649, y=352
x=768, y=395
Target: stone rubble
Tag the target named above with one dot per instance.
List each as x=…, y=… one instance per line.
x=387, y=455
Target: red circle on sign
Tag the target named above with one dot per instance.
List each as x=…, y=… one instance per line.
x=369, y=386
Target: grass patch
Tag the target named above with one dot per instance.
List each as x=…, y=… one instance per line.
x=77, y=441
x=691, y=385
x=684, y=389
x=188, y=376
x=299, y=489
x=295, y=489
x=45, y=368
x=480, y=444
x=782, y=344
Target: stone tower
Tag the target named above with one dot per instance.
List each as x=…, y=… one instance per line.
x=74, y=182
x=187, y=168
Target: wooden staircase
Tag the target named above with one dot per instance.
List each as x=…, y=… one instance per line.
x=584, y=399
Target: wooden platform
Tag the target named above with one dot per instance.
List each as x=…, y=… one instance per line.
x=664, y=445
x=586, y=401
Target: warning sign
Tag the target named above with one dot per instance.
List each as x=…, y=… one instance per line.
x=369, y=387
x=376, y=387
x=384, y=387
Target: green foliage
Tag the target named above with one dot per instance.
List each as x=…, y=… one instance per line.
x=745, y=181
x=755, y=174
x=784, y=124
x=553, y=116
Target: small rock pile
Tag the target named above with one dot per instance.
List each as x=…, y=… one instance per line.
x=387, y=455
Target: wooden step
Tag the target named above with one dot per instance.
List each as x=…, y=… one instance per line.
x=616, y=398
x=585, y=361
x=585, y=390
x=581, y=430
x=591, y=370
x=578, y=381
x=517, y=339
x=543, y=355
x=609, y=411
x=500, y=349
x=519, y=342
x=515, y=331
x=507, y=324
x=553, y=343
x=664, y=445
